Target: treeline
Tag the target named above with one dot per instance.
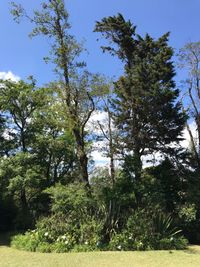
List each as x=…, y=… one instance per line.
x=47, y=179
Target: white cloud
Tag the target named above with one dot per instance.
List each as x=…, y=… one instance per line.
x=9, y=76
x=99, y=159
x=151, y=159
x=97, y=116
x=97, y=154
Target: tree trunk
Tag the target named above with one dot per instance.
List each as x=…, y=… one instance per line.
x=137, y=164
x=138, y=171
x=112, y=169
x=82, y=156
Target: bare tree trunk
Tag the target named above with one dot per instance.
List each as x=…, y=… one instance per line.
x=192, y=142
x=111, y=148
x=109, y=137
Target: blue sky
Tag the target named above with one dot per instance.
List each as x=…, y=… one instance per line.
x=23, y=56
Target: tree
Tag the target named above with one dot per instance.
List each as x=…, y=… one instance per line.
x=19, y=102
x=108, y=135
x=76, y=89
x=54, y=144
x=42, y=151
x=146, y=108
x=106, y=132
x=189, y=58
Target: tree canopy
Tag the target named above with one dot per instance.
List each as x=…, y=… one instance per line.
x=49, y=182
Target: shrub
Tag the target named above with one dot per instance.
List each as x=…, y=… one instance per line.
x=180, y=243
x=60, y=234
x=71, y=200
x=60, y=247
x=28, y=241
x=121, y=242
x=44, y=247
x=84, y=248
x=90, y=232
x=164, y=226
x=74, y=226
x=145, y=231
x=125, y=241
x=172, y=243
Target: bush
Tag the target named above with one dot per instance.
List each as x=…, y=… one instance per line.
x=60, y=247
x=56, y=226
x=44, y=247
x=29, y=241
x=84, y=248
x=142, y=231
x=178, y=243
x=145, y=231
x=74, y=226
x=90, y=232
x=71, y=200
x=60, y=234
x=125, y=241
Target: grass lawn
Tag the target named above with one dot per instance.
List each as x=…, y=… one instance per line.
x=13, y=258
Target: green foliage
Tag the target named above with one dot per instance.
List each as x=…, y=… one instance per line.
x=57, y=234
x=28, y=242
x=144, y=232
x=164, y=226
x=125, y=242
x=172, y=243
x=145, y=94
x=46, y=144
x=69, y=199
x=45, y=247
x=60, y=233
x=70, y=227
x=188, y=213
x=41, y=241
x=169, y=183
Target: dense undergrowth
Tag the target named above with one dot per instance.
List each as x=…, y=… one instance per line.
x=80, y=222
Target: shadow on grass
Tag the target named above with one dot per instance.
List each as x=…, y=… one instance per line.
x=193, y=249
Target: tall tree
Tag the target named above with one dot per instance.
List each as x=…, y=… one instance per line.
x=54, y=145
x=146, y=108
x=108, y=134
x=189, y=58
x=19, y=101
x=52, y=21
x=38, y=145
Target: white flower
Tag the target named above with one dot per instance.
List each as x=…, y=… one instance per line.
x=119, y=247
x=171, y=239
x=86, y=243
x=46, y=234
x=130, y=238
x=64, y=237
x=66, y=242
x=58, y=239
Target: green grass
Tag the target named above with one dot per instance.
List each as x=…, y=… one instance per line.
x=10, y=257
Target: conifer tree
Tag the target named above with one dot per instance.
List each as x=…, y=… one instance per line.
x=146, y=108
